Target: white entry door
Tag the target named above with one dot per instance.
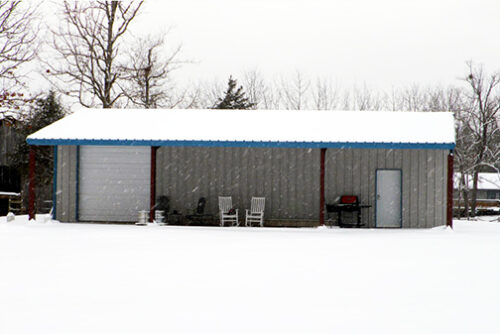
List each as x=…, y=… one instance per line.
x=388, y=198
x=114, y=182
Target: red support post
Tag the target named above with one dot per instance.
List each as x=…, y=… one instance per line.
x=152, y=191
x=322, y=188
x=31, y=185
x=449, y=201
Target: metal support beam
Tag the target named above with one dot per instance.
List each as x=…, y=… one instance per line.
x=449, y=200
x=31, y=185
x=152, y=191
x=322, y=188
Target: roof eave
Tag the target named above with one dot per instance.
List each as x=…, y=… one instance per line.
x=262, y=144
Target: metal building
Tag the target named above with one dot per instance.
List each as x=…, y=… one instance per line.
x=112, y=163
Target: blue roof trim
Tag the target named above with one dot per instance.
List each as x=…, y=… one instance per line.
x=201, y=143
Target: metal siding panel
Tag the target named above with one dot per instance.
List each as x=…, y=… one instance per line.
x=168, y=171
x=330, y=169
x=441, y=186
x=341, y=171
x=159, y=172
x=406, y=167
x=349, y=185
x=306, y=197
x=397, y=163
x=445, y=185
x=414, y=222
x=228, y=176
x=188, y=184
x=276, y=183
x=73, y=175
x=438, y=204
x=252, y=179
x=298, y=184
x=365, y=186
x=289, y=178
x=313, y=171
x=430, y=211
x=222, y=174
x=268, y=181
x=209, y=175
x=62, y=183
x=175, y=175
x=387, y=158
x=421, y=187
x=293, y=173
x=356, y=173
x=246, y=176
x=194, y=180
x=283, y=190
x=313, y=184
x=66, y=183
x=372, y=166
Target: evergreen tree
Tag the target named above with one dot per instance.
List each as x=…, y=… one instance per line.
x=46, y=110
x=234, y=99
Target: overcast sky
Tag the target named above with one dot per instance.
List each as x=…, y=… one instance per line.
x=380, y=43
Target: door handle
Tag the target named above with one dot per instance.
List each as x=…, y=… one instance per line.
x=378, y=197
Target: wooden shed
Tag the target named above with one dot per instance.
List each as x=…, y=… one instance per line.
x=112, y=163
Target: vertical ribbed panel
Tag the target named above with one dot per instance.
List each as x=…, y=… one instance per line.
x=288, y=178
x=424, y=181
x=66, y=183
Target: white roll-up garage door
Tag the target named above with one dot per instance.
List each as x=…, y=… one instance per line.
x=114, y=182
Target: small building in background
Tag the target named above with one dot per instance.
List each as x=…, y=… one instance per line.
x=488, y=192
x=10, y=179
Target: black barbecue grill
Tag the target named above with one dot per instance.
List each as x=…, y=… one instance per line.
x=346, y=203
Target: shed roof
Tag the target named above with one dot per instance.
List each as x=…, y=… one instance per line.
x=485, y=181
x=251, y=128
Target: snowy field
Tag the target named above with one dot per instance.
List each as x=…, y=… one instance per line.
x=89, y=278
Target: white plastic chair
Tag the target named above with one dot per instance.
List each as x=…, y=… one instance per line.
x=256, y=212
x=226, y=204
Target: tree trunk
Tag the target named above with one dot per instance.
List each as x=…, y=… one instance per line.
x=465, y=194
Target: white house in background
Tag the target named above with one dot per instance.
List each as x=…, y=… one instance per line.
x=488, y=185
x=112, y=163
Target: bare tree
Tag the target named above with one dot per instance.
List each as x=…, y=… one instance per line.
x=87, y=45
x=367, y=99
x=147, y=73
x=263, y=94
x=326, y=94
x=481, y=115
x=17, y=47
x=295, y=92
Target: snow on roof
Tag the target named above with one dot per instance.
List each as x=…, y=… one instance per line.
x=283, y=128
x=486, y=181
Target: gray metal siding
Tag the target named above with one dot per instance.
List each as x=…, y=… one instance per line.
x=424, y=181
x=66, y=183
x=288, y=178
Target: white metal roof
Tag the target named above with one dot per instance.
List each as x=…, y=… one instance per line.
x=485, y=181
x=157, y=127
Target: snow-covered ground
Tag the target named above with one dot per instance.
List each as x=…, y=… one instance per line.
x=90, y=278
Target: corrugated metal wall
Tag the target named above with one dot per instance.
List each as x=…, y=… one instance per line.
x=66, y=183
x=424, y=181
x=288, y=178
